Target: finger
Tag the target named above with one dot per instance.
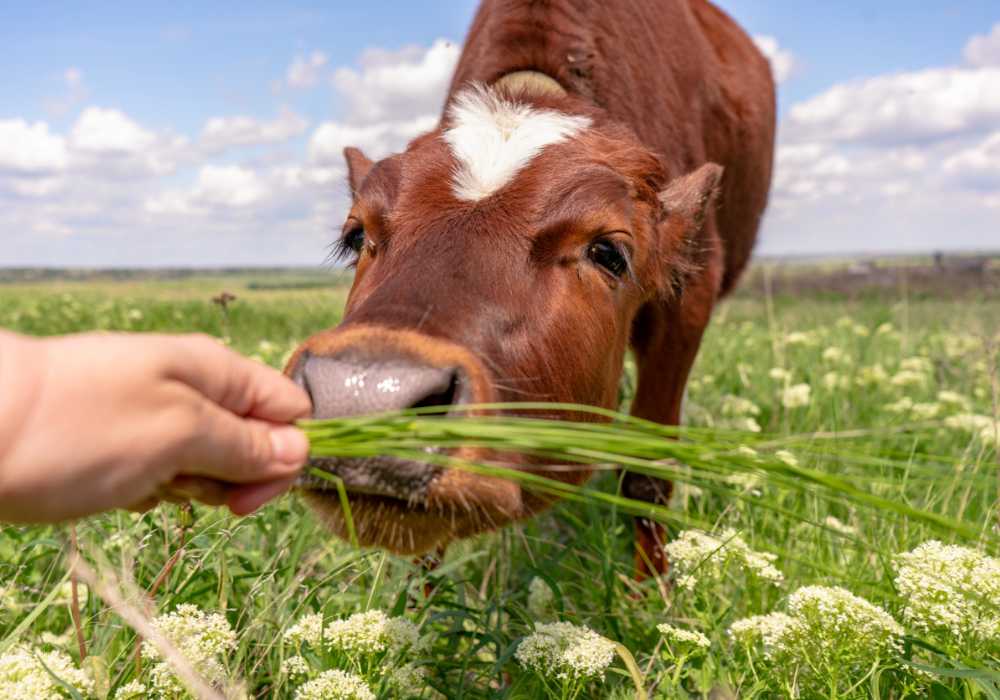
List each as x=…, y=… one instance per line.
x=241, y=450
x=238, y=384
x=195, y=488
x=246, y=499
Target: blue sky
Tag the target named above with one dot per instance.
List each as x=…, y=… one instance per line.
x=890, y=136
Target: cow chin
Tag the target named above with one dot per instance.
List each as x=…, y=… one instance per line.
x=456, y=504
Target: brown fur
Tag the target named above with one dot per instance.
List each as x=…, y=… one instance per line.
x=670, y=85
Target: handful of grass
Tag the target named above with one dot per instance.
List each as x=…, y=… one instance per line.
x=717, y=461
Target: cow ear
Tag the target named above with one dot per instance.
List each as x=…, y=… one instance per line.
x=358, y=167
x=691, y=197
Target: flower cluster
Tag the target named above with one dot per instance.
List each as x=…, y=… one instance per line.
x=683, y=638
x=308, y=630
x=203, y=638
x=835, y=617
x=335, y=685
x=372, y=632
x=828, y=636
x=566, y=652
x=371, y=644
x=740, y=413
x=796, y=396
x=951, y=592
x=768, y=629
x=986, y=429
x=698, y=557
x=23, y=675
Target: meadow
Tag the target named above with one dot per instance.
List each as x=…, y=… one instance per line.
x=777, y=590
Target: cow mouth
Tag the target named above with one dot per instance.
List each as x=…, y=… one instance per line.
x=403, y=482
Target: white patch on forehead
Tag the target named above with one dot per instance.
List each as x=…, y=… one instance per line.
x=493, y=138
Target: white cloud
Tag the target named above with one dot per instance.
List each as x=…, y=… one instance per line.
x=397, y=85
x=984, y=50
x=391, y=98
x=377, y=140
x=977, y=166
x=221, y=133
x=306, y=71
x=783, y=62
x=109, y=131
x=31, y=149
x=228, y=186
x=902, y=107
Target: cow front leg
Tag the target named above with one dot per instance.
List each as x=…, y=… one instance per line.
x=666, y=337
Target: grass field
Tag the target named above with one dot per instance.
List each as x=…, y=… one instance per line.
x=898, y=392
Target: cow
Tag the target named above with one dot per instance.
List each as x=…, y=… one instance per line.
x=596, y=183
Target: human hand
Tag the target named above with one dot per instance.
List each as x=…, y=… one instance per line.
x=100, y=421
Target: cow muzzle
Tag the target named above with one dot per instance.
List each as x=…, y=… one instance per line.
x=366, y=371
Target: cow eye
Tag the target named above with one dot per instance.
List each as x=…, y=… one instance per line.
x=355, y=239
x=610, y=256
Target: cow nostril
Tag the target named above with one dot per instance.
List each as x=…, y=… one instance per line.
x=448, y=397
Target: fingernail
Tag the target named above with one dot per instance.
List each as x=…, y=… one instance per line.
x=289, y=445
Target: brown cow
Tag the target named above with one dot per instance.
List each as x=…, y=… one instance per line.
x=570, y=204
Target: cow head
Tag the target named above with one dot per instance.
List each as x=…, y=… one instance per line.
x=502, y=257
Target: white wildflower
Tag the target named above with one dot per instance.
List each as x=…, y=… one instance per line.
x=906, y=378
x=335, y=685
x=23, y=675
x=986, y=429
x=683, y=637
x=203, y=638
x=747, y=424
x=800, y=338
x=770, y=630
x=834, y=356
x=839, y=526
x=196, y=634
x=951, y=591
x=835, y=618
x=953, y=399
x=746, y=481
x=787, y=457
x=747, y=451
x=834, y=381
x=564, y=651
x=885, y=329
x=920, y=365
x=957, y=345
x=925, y=411
x=135, y=315
x=407, y=680
x=797, y=396
x=901, y=407
x=698, y=557
x=372, y=632
x=737, y=406
x=540, y=598
x=295, y=667
x=780, y=374
x=133, y=690
x=308, y=630
x=872, y=377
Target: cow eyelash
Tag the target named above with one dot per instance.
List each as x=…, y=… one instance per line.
x=350, y=245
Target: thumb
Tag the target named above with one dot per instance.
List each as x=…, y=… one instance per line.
x=243, y=450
